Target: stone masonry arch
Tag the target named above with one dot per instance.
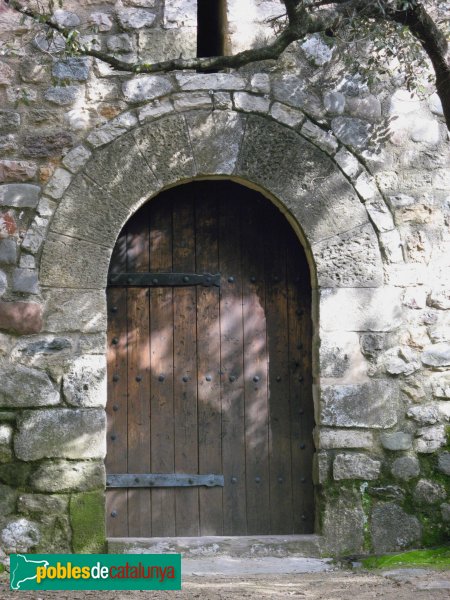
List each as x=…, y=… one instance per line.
x=308, y=184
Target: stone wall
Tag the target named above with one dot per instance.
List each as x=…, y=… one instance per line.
x=82, y=147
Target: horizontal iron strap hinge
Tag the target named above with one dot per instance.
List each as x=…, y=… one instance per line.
x=163, y=279
x=129, y=480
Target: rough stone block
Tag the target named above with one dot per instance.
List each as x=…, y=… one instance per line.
x=9, y=121
x=427, y=414
x=20, y=535
x=60, y=433
x=429, y=439
x=22, y=318
x=73, y=263
x=16, y=170
x=6, y=74
x=396, y=440
x=343, y=523
x=276, y=158
x=87, y=519
x=251, y=103
x=429, y=492
x=341, y=358
x=351, y=259
x=120, y=43
x=166, y=147
x=291, y=89
x=49, y=144
x=8, y=223
x=67, y=476
x=392, y=244
x=71, y=69
x=439, y=298
x=8, y=251
x=112, y=130
x=436, y=355
x=444, y=463
x=67, y=310
x=24, y=387
x=219, y=81
x=380, y=214
x=155, y=109
x=325, y=140
x=328, y=439
x=63, y=95
x=360, y=309
x=372, y=404
x=180, y=12
x=135, y=18
x=216, y=138
x=161, y=44
x=84, y=385
x=368, y=108
x=355, y=466
x=19, y=195
x=441, y=386
x=25, y=281
x=393, y=529
x=400, y=360
x=101, y=21
x=35, y=235
x=286, y=115
x=334, y=103
x=6, y=433
x=405, y=468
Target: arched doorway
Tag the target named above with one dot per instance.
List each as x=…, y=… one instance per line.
x=209, y=375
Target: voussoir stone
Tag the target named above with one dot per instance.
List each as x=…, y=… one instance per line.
x=25, y=387
x=393, y=529
x=146, y=87
x=355, y=466
x=60, y=433
x=372, y=404
x=65, y=476
x=405, y=468
x=351, y=132
x=22, y=318
x=397, y=440
x=219, y=81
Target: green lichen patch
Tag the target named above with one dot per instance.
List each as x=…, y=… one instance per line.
x=433, y=557
x=87, y=518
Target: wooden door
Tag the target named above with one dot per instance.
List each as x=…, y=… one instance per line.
x=209, y=380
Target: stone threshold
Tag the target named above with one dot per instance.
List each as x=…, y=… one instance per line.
x=254, y=546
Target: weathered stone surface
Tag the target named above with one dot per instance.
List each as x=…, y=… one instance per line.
x=25, y=281
x=67, y=476
x=316, y=50
x=35, y=235
x=9, y=121
x=40, y=504
x=58, y=184
x=16, y=170
x=397, y=440
x=372, y=404
x=405, y=468
x=372, y=344
x=439, y=298
x=62, y=433
x=401, y=360
x=350, y=259
x=429, y=492
x=71, y=69
x=112, y=130
x=98, y=219
x=286, y=114
x=6, y=74
x=260, y=83
x=276, y=158
x=8, y=143
x=22, y=318
x=67, y=310
x=158, y=44
x=219, y=81
x=27, y=261
x=19, y=195
x=364, y=108
x=6, y=433
x=325, y=140
x=20, y=535
x=3, y=283
x=135, y=18
x=155, y=109
x=120, y=43
x=320, y=468
x=427, y=414
x=355, y=466
x=146, y=87
x=101, y=21
x=393, y=529
x=441, y=387
x=360, y=309
x=9, y=499
x=73, y=263
x=84, y=385
x=187, y=101
x=379, y=214
x=429, y=439
x=166, y=147
x=76, y=158
x=351, y=132
x=216, y=139
x=8, y=251
x=348, y=163
x=41, y=349
x=334, y=102
x=386, y=492
x=444, y=462
x=291, y=89
x=391, y=244
x=182, y=12
x=251, y=103
x=328, y=439
x=343, y=523
x=65, y=18
x=436, y=355
x=50, y=144
x=63, y=95
x=24, y=387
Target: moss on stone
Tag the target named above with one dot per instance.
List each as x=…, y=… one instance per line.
x=87, y=518
x=435, y=557
x=15, y=474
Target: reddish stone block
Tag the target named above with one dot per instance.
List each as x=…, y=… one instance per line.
x=8, y=225
x=21, y=317
x=17, y=170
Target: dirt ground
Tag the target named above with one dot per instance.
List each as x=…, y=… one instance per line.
x=331, y=585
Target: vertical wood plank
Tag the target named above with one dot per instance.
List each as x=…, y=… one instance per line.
x=139, y=507
x=208, y=359
x=162, y=407
x=277, y=329
x=116, y=407
x=300, y=383
x=255, y=365
x=185, y=364
x=232, y=389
